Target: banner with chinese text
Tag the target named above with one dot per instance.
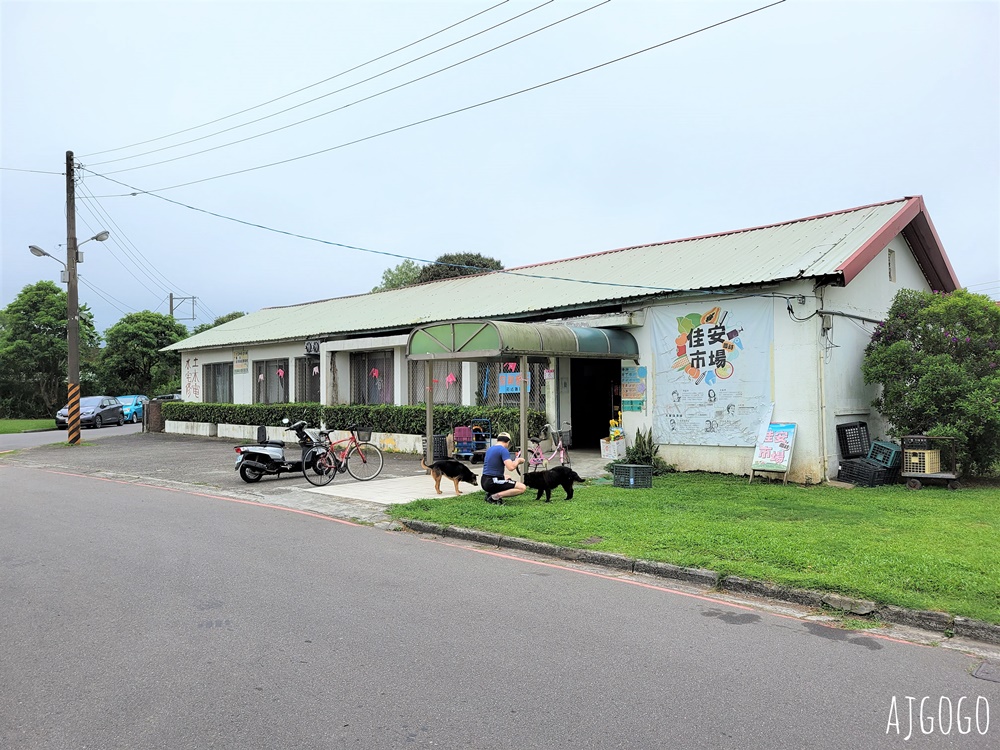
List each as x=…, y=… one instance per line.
x=713, y=371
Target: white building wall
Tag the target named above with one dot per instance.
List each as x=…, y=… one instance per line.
x=868, y=295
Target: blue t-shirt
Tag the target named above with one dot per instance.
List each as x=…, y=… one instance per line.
x=493, y=461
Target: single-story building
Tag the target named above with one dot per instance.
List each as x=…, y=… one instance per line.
x=704, y=340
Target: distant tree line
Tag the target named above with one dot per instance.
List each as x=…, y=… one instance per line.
x=447, y=266
x=126, y=360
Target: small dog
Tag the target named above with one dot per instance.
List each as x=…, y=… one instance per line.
x=456, y=471
x=546, y=481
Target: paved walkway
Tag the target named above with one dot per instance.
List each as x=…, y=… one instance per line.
x=587, y=464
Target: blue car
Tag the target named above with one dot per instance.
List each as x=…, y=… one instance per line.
x=133, y=407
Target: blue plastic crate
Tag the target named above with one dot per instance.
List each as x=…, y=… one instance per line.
x=885, y=453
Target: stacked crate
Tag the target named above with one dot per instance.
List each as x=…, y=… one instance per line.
x=865, y=463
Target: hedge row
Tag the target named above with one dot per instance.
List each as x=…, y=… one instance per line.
x=404, y=420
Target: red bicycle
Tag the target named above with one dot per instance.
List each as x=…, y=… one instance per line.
x=359, y=458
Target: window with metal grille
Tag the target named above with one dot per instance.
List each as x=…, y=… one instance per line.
x=371, y=377
x=218, y=382
x=499, y=384
x=307, y=379
x=270, y=381
x=447, y=382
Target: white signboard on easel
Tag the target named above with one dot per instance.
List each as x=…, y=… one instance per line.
x=774, y=450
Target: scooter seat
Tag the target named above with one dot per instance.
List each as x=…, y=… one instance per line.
x=274, y=443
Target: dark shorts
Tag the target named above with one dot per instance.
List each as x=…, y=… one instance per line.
x=496, y=484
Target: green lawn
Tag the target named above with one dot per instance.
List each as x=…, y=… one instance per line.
x=8, y=426
x=930, y=549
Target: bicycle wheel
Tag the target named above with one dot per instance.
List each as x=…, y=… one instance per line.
x=319, y=466
x=564, y=458
x=364, y=461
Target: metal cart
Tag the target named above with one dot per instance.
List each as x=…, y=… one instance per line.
x=928, y=458
x=482, y=438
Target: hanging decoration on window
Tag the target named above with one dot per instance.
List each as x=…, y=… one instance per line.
x=450, y=380
x=315, y=369
x=511, y=366
x=260, y=378
x=374, y=373
x=281, y=374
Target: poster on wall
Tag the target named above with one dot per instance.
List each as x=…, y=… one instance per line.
x=712, y=384
x=633, y=388
x=241, y=362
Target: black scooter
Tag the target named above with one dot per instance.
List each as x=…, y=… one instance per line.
x=268, y=456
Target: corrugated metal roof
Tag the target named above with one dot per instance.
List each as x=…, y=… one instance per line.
x=812, y=247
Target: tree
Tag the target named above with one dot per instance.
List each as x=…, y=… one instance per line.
x=217, y=322
x=937, y=358
x=458, y=264
x=399, y=276
x=132, y=361
x=33, y=350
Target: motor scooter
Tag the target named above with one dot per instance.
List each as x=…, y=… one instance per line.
x=268, y=456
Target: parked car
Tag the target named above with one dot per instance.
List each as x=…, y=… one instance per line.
x=133, y=407
x=95, y=411
x=169, y=397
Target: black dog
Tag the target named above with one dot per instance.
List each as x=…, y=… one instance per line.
x=546, y=481
x=456, y=471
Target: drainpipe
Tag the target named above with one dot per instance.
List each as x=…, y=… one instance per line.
x=824, y=465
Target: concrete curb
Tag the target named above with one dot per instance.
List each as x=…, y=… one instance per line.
x=938, y=622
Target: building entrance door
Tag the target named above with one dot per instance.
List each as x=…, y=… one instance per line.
x=595, y=388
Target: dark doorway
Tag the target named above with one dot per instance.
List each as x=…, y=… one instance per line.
x=595, y=387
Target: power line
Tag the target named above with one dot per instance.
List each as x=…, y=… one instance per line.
x=349, y=104
x=113, y=255
x=145, y=265
x=304, y=88
x=107, y=297
x=454, y=111
x=34, y=171
x=380, y=252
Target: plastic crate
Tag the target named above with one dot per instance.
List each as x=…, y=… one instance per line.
x=464, y=443
x=854, y=440
x=866, y=473
x=632, y=476
x=440, y=447
x=887, y=454
x=922, y=462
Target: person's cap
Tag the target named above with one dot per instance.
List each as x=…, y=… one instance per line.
x=504, y=436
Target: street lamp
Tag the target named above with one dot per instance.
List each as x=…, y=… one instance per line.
x=69, y=277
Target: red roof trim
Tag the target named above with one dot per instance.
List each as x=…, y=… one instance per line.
x=915, y=225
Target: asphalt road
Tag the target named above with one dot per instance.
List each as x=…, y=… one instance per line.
x=138, y=614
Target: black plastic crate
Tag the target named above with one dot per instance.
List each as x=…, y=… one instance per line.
x=866, y=473
x=854, y=439
x=440, y=447
x=632, y=476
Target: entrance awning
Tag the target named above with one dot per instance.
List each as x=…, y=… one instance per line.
x=490, y=339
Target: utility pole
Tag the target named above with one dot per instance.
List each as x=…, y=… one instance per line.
x=72, y=309
x=178, y=300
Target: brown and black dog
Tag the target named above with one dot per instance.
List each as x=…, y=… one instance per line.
x=546, y=481
x=456, y=471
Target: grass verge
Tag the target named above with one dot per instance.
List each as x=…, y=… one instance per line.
x=8, y=426
x=931, y=549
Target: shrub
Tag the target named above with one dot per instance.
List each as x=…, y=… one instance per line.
x=643, y=452
x=405, y=420
x=937, y=358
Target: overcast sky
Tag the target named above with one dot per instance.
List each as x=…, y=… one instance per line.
x=802, y=108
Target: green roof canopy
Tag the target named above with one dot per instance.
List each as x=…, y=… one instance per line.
x=490, y=339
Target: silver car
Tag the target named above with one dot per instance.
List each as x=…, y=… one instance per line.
x=95, y=411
